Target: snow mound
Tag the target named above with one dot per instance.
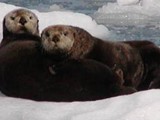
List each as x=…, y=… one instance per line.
x=138, y=106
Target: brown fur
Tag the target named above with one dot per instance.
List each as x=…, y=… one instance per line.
x=24, y=73
x=151, y=58
x=112, y=54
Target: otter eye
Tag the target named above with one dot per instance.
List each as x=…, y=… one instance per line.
x=30, y=17
x=65, y=33
x=12, y=18
x=47, y=34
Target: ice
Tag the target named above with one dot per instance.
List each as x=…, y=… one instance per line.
x=151, y=3
x=129, y=13
x=131, y=20
x=128, y=2
x=56, y=7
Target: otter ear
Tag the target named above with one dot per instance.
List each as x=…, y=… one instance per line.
x=72, y=28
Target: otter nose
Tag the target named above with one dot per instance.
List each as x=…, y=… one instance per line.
x=22, y=20
x=55, y=39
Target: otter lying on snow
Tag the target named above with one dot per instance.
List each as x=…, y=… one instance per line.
x=75, y=43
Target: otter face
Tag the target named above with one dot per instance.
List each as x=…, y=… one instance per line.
x=21, y=21
x=57, y=39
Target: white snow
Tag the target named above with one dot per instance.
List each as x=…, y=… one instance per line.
x=75, y=19
x=139, y=106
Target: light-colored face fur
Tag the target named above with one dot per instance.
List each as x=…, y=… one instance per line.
x=59, y=38
x=21, y=21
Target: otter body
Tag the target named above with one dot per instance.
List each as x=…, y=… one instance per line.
x=151, y=58
x=76, y=43
x=25, y=74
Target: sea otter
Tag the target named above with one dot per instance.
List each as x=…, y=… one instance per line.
x=25, y=74
x=75, y=43
x=20, y=24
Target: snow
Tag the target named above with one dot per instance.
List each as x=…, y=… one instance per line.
x=139, y=106
x=75, y=19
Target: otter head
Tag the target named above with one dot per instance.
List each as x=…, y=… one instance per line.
x=20, y=21
x=57, y=39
